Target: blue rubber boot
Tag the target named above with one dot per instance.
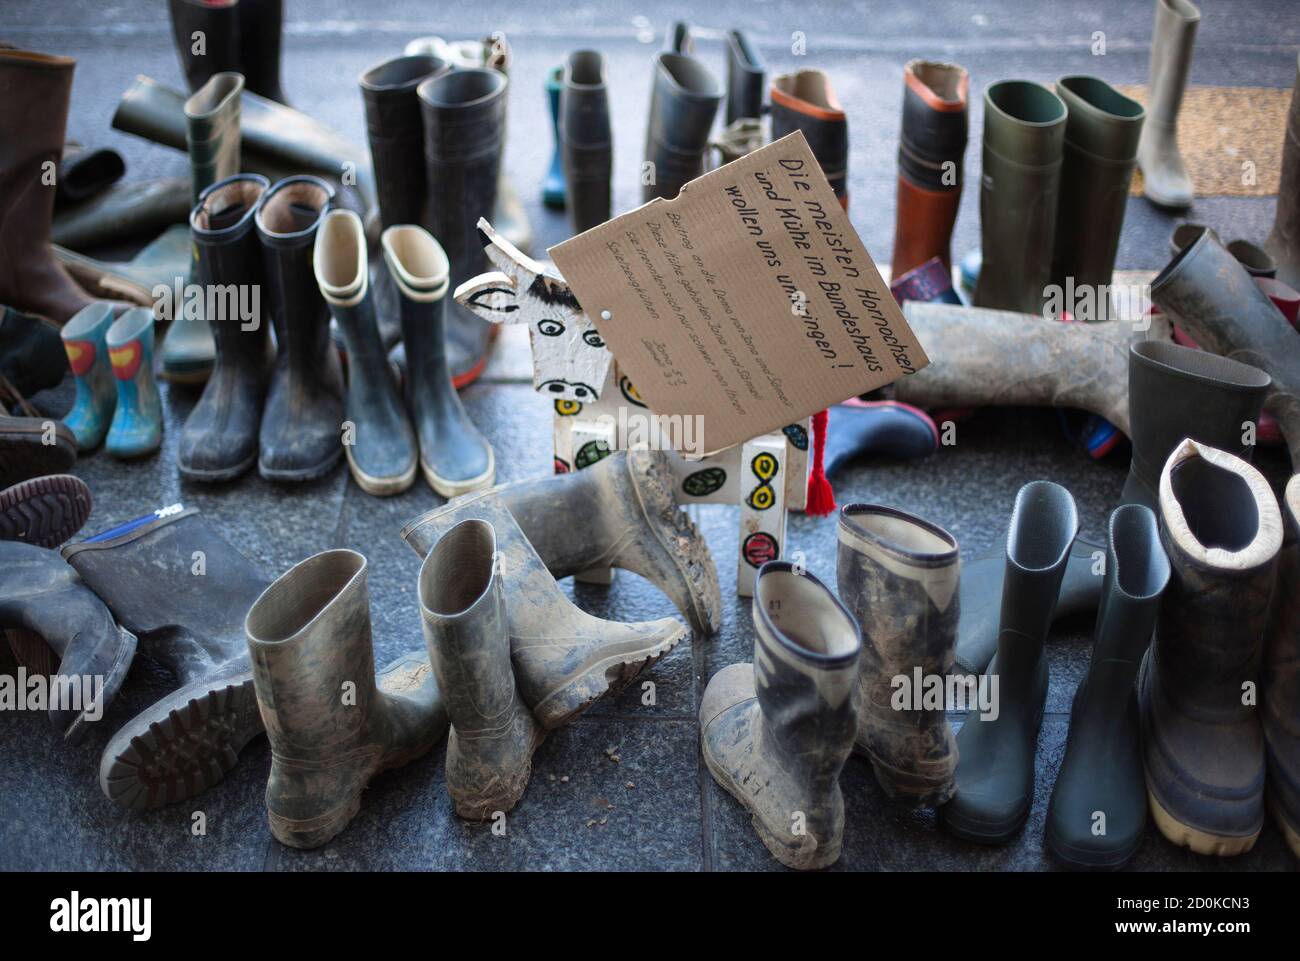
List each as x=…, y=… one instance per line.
x=553, y=183
x=137, y=423
x=83, y=340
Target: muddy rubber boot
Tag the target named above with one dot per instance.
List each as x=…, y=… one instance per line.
x=1176, y=392
x=301, y=424
x=34, y=447
x=553, y=187
x=1164, y=175
x=1202, y=741
x=44, y=511
x=631, y=520
x=776, y=733
x=805, y=101
x=34, y=93
x=745, y=80
x=1283, y=242
x=137, y=425
x=931, y=148
x=564, y=659
x=881, y=428
x=1098, y=811
x=1024, y=136
x=396, y=132
x=586, y=142
x=463, y=612
x=42, y=594
x=309, y=638
x=898, y=576
x=455, y=457
x=92, y=408
x=212, y=136
x=995, y=767
x=175, y=583
x=1101, y=137
x=219, y=440
x=380, y=446
x=684, y=99
x=1281, y=683
x=1210, y=296
x=463, y=114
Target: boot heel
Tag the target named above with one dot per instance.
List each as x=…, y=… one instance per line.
x=1200, y=842
x=313, y=832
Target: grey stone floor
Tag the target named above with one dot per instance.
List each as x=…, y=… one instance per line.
x=52, y=815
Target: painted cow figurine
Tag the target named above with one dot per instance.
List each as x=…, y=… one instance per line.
x=593, y=401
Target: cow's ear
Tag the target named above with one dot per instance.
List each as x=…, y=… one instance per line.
x=490, y=296
x=508, y=258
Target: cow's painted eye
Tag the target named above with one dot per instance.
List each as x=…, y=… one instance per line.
x=593, y=339
x=550, y=328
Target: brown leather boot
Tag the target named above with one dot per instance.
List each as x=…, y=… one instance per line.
x=34, y=93
x=930, y=150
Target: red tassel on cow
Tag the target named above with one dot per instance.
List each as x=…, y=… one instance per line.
x=821, y=499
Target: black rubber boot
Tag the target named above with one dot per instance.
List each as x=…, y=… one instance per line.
x=1283, y=243
x=136, y=210
x=32, y=358
x=184, y=591
x=378, y=439
x=1202, y=741
x=745, y=79
x=42, y=594
x=397, y=135
x=207, y=39
x=85, y=173
x=804, y=100
x=219, y=441
x=44, y=511
x=1177, y=392
x=303, y=419
x=1098, y=811
x=261, y=32
x=463, y=114
x=898, y=576
x=586, y=144
x=995, y=767
x=683, y=103
x=454, y=457
x=881, y=428
x=1281, y=687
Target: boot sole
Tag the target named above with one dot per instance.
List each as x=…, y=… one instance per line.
x=298, y=476
x=23, y=456
x=182, y=745
x=454, y=488
x=1289, y=830
x=217, y=476
x=379, y=486
x=912, y=788
x=44, y=511
x=1077, y=860
x=1200, y=842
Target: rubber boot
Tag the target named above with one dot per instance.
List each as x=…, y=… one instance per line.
x=586, y=141
x=1281, y=687
x=995, y=747
x=1101, y=137
x=34, y=93
x=1202, y=741
x=397, y=134
x=136, y=428
x=1254, y=258
x=898, y=575
x=776, y=733
x=1208, y=294
x=1024, y=136
x=212, y=136
x=303, y=417
x=684, y=99
x=805, y=101
x=32, y=355
x=931, y=150
x=1176, y=392
x=92, y=409
x=219, y=440
x=739, y=139
x=745, y=80
x=463, y=117
x=207, y=39
x=126, y=211
x=44, y=511
x=34, y=447
x=380, y=445
x=184, y=591
x=1283, y=242
x=42, y=594
x=630, y=519
x=86, y=172
x=309, y=638
x=882, y=428
x=454, y=457
x=553, y=187
x=564, y=659
x=1164, y=175
x=261, y=32
x=1098, y=811
x=164, y=261
x=463, y=613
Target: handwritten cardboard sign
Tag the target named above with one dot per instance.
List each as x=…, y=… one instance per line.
x=748, y=299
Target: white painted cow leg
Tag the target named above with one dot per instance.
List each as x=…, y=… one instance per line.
x=763, y=463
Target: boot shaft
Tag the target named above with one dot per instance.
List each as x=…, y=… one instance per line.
x=1137, y=573
x=805, y=100
x=684, y=99
x=287, y=219
x=261, y=28
x=585, y=139
x=206, y=37
x=342, y=266
x=1043, y=526
x=421, y=272
x=212, y=131
x=744, y=79
x=1282, y=650
x=1172, y=40
x=396, y=130
x=935, y=125
x=35, y=89
x=230, y=267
